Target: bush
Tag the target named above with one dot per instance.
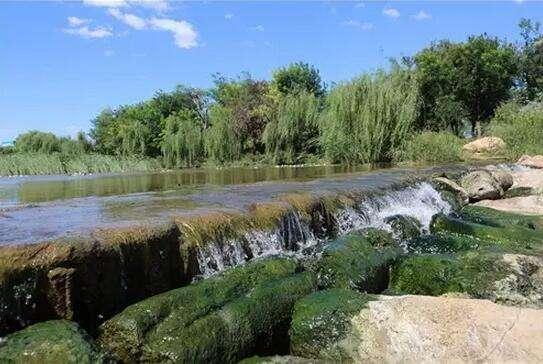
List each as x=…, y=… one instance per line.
x=368, y=118
x=521, y=128
x=430, y=147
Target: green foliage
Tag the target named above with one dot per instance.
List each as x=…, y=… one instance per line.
x=431, y=147
x=182, y=142
x=222, y=141
x=474, y=76
x=368, y=118
x=293, y=132
x=521, y=128
x=47, y=143
x=298, y=77
x=531, y=59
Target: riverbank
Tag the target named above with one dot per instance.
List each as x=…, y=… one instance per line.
x=300, y=276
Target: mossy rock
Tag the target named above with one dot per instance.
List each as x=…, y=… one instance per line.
x=322, y=320
x=358, y=261
x=125, y=334
x=444, y=242
x=496, y=218
x=520, y=191
x=512, y=238
x=255, y=323
x=474, y=273
x=404, y=227
x=58, y=341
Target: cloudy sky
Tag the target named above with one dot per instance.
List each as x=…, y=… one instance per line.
x=61, y=62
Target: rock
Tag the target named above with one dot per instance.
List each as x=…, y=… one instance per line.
x=404, y=227
x=529, y=205
x=519, y=192
x=504, y=178
x=484, y=145
x=49, y=342
x=322, y=320
x=444, y=329
x=524, y=285
x=535, y=161
x=481, y=185
x=493, y=217
x=531, y=178
x=61, y=291
x=445, y=184
x=287, y=359
x=196, y=319
x=357, y=261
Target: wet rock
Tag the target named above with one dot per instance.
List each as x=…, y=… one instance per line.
x=404, y=227
x=521, y=191
x=192, y=322
x=50, y=342
x=61, y=291
x=535, y=161
x=321, y=322
x=445, y=329
x=358, y=261
x=460, y=194
x=481, y=185
x=484, y=145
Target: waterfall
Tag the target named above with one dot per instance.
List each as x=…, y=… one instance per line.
x=294, y=236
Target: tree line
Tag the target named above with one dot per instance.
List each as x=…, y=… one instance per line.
x=294, y=117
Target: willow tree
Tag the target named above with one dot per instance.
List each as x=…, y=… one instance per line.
x=369, y=117
x=182, y=140
x=222, y=140
x=293, y=132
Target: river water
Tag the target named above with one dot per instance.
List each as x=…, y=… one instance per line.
x=46, y=207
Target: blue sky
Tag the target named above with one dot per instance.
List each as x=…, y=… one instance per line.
x=62, y=62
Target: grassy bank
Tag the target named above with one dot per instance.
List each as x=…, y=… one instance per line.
x=43, y=164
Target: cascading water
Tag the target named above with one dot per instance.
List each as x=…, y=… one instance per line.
x=294, y=236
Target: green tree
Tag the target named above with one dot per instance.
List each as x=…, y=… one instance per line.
x=531, y=59
x=298, y=77
x=182, y=140
x=222, y=141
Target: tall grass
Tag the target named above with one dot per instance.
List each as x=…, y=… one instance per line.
x=293, y=132
x=38, y=164
x=520, y=127
x=430, y=147
x=368, y=118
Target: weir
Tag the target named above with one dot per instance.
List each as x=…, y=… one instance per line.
x=90, y=280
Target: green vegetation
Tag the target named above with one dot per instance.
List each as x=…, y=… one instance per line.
x=415, y=111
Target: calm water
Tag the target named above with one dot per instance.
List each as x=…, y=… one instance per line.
x=40, y=208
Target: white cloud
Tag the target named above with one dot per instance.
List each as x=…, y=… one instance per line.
x=358, y=24
x=131, y=20
x=86, y=32
x=258, y=28
x=391, y=13
x=106, y=3
x=421, y=15
x=74, y=21
x=228, y=16
x=183, y=32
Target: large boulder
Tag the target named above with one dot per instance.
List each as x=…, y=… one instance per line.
x=535, y=161
x=404, y=227
x=49, y=342
x=445, y=329
x=504, y=178
x=481, y=185
x=445, y=184
x=484, y=145
x=530, y=205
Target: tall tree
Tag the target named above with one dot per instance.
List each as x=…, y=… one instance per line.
x=298, y=77
x=531, y=59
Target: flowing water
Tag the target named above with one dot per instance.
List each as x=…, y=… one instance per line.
x=38, y=208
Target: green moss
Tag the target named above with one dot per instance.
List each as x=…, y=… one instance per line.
x=404, y=227
x=359, y=262
x=446, y=242
x=473, y=273
x=49, y=342
x=321, y=320
x=256, y=323
x=492, y=217
x=125, y=334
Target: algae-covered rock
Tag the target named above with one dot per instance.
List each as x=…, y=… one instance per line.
x=49, y=342
x=321, y=322
x=357, y=261
x=255, y=323
x=420, y=329
x=404, y=227
x=481, y=185
x=125, y=334
x=493, y=217
x=445, y=242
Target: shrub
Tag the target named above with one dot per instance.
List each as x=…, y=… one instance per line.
x=430, y=147
x=520, y=127
x=369, y=117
